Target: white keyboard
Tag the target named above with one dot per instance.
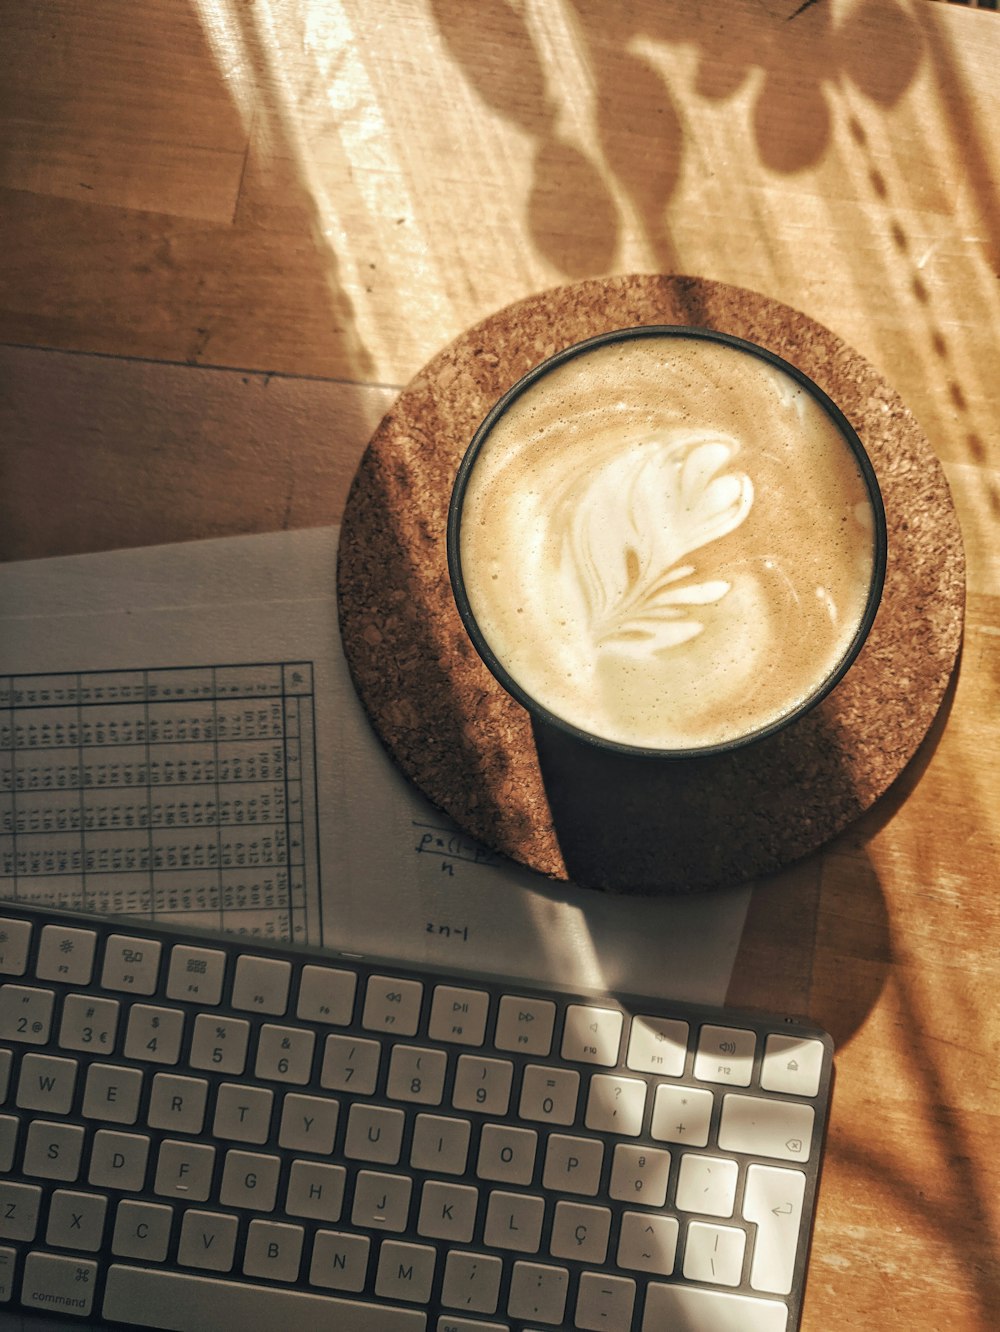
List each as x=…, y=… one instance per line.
x=206, y=1133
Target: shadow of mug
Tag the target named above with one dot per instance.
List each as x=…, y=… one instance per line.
x=625, y=822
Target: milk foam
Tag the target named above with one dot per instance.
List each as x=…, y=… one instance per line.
x=667, y=542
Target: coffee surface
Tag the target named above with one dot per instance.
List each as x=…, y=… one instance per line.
x=667, y=542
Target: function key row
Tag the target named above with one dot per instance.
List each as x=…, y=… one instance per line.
x=392, y=1005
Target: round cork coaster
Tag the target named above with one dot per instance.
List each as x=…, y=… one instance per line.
x=567, y=809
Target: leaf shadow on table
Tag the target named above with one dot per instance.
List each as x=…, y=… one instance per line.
x=571, y=215
x=797, y=55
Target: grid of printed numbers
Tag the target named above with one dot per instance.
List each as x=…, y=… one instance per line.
x=186, y=794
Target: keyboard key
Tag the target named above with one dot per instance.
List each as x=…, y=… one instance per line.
x=472, y=1281
x=392, y=1005
x=8, y=1141
x=792, y=1065
x=220, y=1043
x=710, y=1310
x=65, y=954
x=525, y=1025
x=52, y=1281
x=514, y=1221
x=131, y=964
x=447, y=1211
x=416, y=1075
x=725, y=1054
x=339, y=1261
x=184, y=1170
x=604, y=1303
x=46, y=1083
x=315, y=1190
x=573, y=1165
x=580, y=1231
x=142, y=1230
x=707, y=1184
x=549, y=1094
x=196, y=975
x=250, y=1180
x=538, y=1292
x=25, y=1014
x=772, y=1200
x=374, y=1133
x=208, y=1240
x=261, y=985
x=76, y=1220
x=381, y=1202
x=53, y=1150
x=592, y=1035
x=449, y=1323
x=648, y=1243
x=615, y=1105
x=118, y=1160
x=19, y=1207
x=405, y=1271
x=682, y=1114
x=285, y=1054
x=350, y=1064
x=657, y=1045
x=308, y=1124
x=458, y=1016
x=639, y=1175
x=440, y=1144
x=154, y=1034
x=326, y=994
x=177, y=1103
x=714, y=1253
x=483, y=1085
x=15, y=939
x=205, y=1304
x=759, y=1127
x=89, y=1024
x=507, y=1154
x=274, y=1250
x=243, y=1114
x=112, y=1093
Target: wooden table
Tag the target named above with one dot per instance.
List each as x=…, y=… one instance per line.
x=335, y=190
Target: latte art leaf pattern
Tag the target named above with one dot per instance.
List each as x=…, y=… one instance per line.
x=626, y=573
x=631, y=526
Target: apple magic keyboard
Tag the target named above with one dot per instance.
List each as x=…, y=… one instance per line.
x=202, y=1133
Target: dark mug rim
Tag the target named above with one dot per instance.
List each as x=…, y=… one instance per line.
x=480, y=642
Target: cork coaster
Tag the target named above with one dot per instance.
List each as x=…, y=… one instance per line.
x=568, y=810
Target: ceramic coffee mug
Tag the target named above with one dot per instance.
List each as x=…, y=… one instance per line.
x=667, y=541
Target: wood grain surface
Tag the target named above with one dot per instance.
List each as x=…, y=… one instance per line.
x=335, y=191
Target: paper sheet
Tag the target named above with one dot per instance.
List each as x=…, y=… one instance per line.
x=189, y=744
